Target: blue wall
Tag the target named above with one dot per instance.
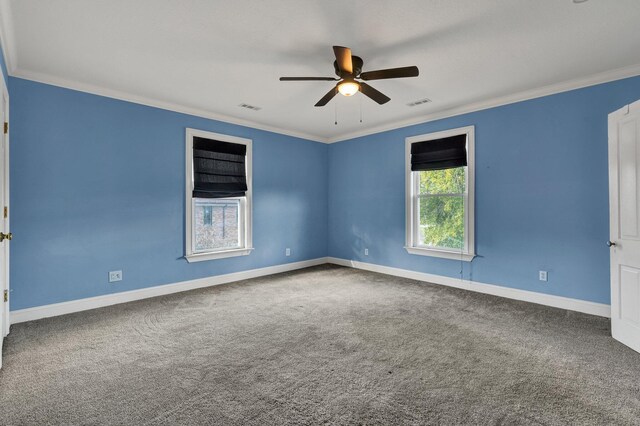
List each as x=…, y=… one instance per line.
x=97, y=184
x=541, y=194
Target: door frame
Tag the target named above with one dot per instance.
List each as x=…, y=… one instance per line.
x=4, y=97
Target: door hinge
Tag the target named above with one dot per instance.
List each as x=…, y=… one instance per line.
x=6, y=127
x=6, y=212
x=6, y=295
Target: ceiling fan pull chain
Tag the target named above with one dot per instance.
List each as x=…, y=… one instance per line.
x=335, y=109
x=360, y=98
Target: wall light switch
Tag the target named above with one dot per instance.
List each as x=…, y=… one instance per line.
x=287, y=252
x=115, y=276
x=542, y=275
x=366, y=252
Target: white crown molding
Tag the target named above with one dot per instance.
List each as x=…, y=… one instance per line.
x=156, y=103
x=63, y=308
x=570, y=304
x=7, y=36
x=600, y=78
x=7, y=41
x=605, y=77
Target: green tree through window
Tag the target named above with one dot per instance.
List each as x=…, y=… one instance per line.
x=441, y=208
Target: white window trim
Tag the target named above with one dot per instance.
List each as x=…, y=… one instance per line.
x=247, y=235
x=412, y=246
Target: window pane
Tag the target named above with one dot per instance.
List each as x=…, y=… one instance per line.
x=216, y=224
x=442, y=222
x=449, y=181
x=207, y=215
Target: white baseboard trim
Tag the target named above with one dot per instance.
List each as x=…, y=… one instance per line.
x=63, y=308
x=577, y=305
x=72, y=306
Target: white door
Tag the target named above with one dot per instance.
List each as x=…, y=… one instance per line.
x=624, y=208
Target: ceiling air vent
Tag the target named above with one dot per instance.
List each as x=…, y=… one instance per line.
x=252, y=107
x=419, y=102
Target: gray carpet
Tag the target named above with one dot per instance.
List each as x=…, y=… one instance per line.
x=325, y=345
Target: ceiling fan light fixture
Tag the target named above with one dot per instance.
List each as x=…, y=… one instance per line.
x=348, y=88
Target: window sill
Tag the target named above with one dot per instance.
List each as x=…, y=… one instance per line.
x=217, y=255
x=467, y=257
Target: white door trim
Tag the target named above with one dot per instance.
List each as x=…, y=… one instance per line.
x=7, y=319
x=6, y=246
x=4, y=202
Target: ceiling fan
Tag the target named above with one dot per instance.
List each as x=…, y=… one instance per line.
x=349, y=70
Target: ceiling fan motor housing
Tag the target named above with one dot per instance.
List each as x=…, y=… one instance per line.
x=357, y=68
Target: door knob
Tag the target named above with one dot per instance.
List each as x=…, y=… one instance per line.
x=4, y=236
x=610, y=243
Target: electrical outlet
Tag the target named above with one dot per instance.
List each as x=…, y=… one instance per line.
x=287, y=252
x=542, y=275
x=115, y=276
x=366, y=252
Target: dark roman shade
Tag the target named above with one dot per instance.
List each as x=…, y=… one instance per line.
x=218, y=169
x=439, y=154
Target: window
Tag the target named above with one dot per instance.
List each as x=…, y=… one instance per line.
x=218, y=196
x=440, y=194
x=207, y=210
x=217, y=225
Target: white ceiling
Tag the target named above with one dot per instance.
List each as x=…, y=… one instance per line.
x=209, y=56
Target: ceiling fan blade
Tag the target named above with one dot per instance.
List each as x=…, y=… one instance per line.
x=308, y=79
x=343, y=57
x=390, y=73
x=377, y=96
x=326, y=98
